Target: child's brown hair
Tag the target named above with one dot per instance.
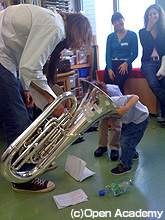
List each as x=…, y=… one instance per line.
x=102, y=86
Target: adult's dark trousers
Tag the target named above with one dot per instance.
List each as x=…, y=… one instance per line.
x=119, y=78
x=13, y=110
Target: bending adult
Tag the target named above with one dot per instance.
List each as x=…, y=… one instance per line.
x=28, y=35
x=121, y=51
x=152, y=40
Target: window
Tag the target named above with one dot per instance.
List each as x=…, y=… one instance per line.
x=133, y=12
x=103, y=11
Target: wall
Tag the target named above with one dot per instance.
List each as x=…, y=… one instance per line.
x=89, y=9
x=161, y=3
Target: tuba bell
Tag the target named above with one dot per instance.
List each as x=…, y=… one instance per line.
x=48, y=137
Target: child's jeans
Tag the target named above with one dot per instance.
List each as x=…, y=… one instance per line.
x=131, y=134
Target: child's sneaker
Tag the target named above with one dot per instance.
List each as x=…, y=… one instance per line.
x=136, y=156
x=120, y=169
x=35, y=186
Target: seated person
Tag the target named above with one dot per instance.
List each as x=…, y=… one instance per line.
x=121, y=51
x=152, y=40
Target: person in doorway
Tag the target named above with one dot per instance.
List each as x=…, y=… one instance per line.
x=121, y=51
x=28, y=36
x=152, y=40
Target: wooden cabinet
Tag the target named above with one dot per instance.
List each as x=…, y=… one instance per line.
x=64, y=78
x=81, y=64
x=69, y=81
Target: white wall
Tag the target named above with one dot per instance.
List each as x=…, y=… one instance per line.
x=99, y=13
x=89, y=9
x=104, y=11
x=133, y=12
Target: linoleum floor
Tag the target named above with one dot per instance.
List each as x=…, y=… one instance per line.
x=148, y=177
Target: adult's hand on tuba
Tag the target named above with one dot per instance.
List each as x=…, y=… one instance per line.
x=58, y=111
x=60, y=108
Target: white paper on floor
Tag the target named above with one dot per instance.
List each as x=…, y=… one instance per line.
x=71, y=198
x=77, y=168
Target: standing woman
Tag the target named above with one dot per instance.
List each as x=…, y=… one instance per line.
x=152, y=38
x=121, y=51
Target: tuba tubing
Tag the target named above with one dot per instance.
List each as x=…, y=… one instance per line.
x=47, y=138
x=8, y=155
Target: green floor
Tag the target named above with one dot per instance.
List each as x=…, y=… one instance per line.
x=148, y=176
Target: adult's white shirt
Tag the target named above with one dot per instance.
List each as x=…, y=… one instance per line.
x=28, y=35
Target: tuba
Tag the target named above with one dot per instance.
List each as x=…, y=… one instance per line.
x=48, y=137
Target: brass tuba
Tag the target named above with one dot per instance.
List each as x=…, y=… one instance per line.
x=48, y=137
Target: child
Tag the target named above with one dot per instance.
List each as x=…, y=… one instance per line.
x=135, y=118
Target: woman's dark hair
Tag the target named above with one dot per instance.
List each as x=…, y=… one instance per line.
x=116, y=16
x=160, y=22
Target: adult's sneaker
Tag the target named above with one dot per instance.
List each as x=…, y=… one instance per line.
x=160, y=119
x=37, y=185
x=100, y=151
x=162, y=124
x=114, y=155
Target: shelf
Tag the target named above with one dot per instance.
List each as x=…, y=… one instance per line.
x=79, y=60
x=80, y=66
x=65, y=79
